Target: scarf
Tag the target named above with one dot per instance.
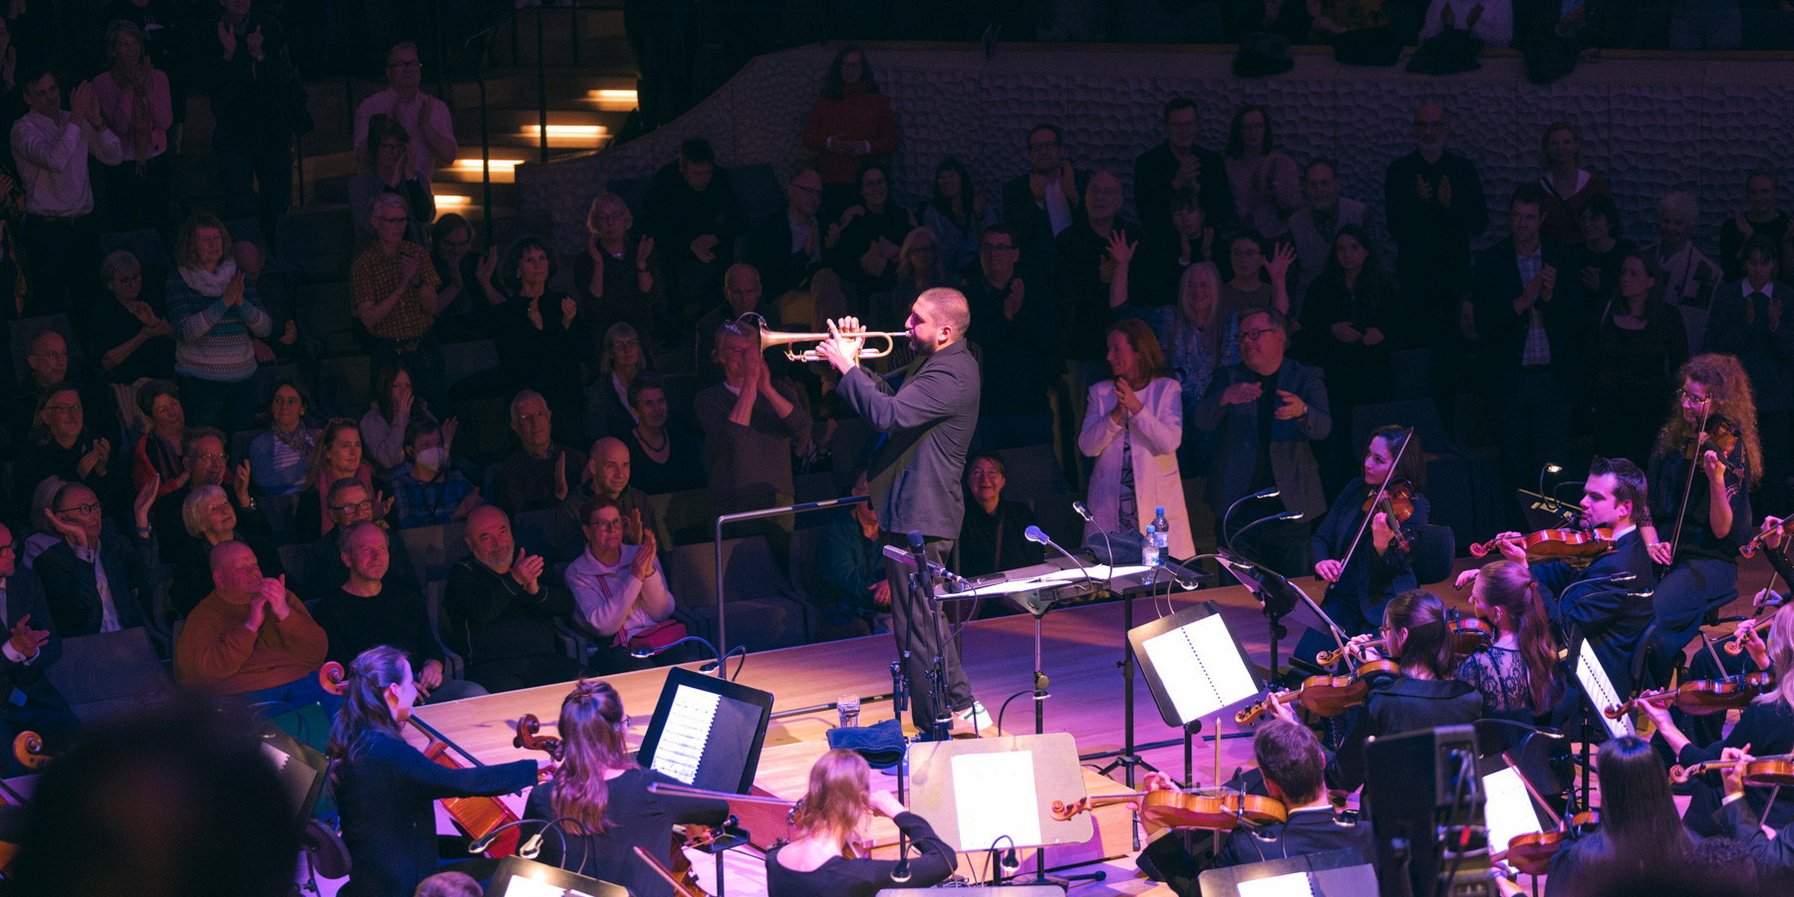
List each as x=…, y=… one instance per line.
x=210, y=283
x=143, y=122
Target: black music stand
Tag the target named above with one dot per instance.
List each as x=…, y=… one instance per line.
x=1194, y=667
x=518, y=877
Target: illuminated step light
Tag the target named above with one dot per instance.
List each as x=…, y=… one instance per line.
x=568, y=132
x=613, y=99
x=474, y=166
x=452, y=201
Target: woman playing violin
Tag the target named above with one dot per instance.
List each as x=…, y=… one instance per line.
x=1423, y=696
x=386, y=789
x=602, y=798
x=1773, y=855
x=1766, y=726
x=1362, y=581
x=1639, y=842
x=1516, y=672
x=818, y=863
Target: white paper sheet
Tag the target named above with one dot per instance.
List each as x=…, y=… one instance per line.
x=1599, y=688
x=1507, y=808
x=686, y=733
x=1201, y=666
x=1295, y=884
x=994, y=795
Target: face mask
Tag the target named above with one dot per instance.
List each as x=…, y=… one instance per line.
x=432, y=457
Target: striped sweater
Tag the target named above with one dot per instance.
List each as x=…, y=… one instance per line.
x=213, y=342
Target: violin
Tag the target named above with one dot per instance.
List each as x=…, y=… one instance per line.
x=1761, y=772
x=1749, y=549
x=1701, y=697
x=1218, y=809
x=1556, y=544
x=1734, y=645
x=1531, y=853
x=1721, y=435
x=1469, y=635
x=1326, y=696
x=1396, y=501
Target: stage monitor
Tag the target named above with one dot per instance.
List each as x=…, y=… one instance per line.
x=707, y=732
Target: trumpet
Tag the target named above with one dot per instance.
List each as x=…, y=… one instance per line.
x=771, y=338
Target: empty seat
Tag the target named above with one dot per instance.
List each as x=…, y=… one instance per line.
x=110, y=673
x=434, y=549
x=763, y=611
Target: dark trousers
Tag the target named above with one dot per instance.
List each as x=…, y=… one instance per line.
x=1683, y=596
x=922, y=633
x=230, y=407
x=249, y=157
x=61, y=256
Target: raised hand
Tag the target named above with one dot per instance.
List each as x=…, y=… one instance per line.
x=233, y=292
x=409, y=265
x=448, y=433
x=632, y=527
x=1445, y=192
x=643, y=250
x=274, y=595
x=26, y=640
x=467, y=504
x=1283, y=255
x=1292, y=407
x=258, y=614
x=240, y=483
x=1241, y=393
x=643, y=565
x=703, y=248
x=569, y=310
x=1125, y=397
x=1120, y=250
x=146, y=497
x=526, y=571
x=1012, y=303
x=486, y=266
x=255, y=41
x=560, y=476
x=227, y=38
x=382, y=505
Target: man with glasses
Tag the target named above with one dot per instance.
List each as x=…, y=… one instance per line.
x=1042, y=202
x=1019, y=339
x=31, y=647
x=537, y=475
x=621, y=591
x=350, y=504
x=424, y=117
x=97, y=582
x=1181, y=163
x=753, y=424
x=394, y=293
x=1270, y=411
x=1434, y=200
x=786, y=247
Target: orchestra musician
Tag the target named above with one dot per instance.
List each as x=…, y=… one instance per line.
x=1516, y=673
x=601, y=795
x=1766, y=727
x=1364, y=574
x=386, y=789
x=1773, y=854
x=1423, y=696
x=819, y=861
x=927, y=410
x=1639, y=833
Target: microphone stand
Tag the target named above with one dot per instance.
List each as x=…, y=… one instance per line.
x=1268, y=591
x=1129, y=759
x=941, y=714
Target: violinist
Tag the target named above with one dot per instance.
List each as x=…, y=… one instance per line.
x=1698, y=539
x=1423, y=696
x=1639, y=841
x=1773, y=855
x=386, y=789
x=1766, y=726
x=1516, y=672
x=1363, y=572
x=818, y=862
x=601, y=795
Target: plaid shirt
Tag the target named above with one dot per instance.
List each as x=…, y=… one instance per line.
x=375, y=276
x=428, y=504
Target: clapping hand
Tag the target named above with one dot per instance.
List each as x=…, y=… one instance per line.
x=227, y=38
x=643, y=250
x=25, y=640
x=240, y=483
x=526, y=571
x=233, y=292
x=1012, y=303
x=145, y=498
x=560, y=477
x=533, y=312
x=255, y=41
x=643, y=565
x=632, y=527
x=1242, y=393
x=274, y=595
x=95, y=459
x=1292, y=407
x=569, y=310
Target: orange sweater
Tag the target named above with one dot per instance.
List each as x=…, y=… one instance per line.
x=216, y=653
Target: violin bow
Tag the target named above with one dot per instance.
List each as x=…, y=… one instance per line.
x=1694, y=466
x=1383, y=488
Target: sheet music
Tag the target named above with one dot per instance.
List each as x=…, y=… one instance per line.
x=1095, y=572
x=685, y=734
x=994, y=794
x=1201, y=666
x=1294, y=884
x=519, y=886
x=1600, y=692
x=1507, y=808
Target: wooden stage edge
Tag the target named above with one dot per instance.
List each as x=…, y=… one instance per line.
x=1081, y=650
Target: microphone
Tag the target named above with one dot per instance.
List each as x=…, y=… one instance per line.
x=1082, y=511
x=1260, y=495
x=530, y=847
x=953, y=581
x=1035, y=535
x=924, y=576
x=1286, y=515
x=901, y=874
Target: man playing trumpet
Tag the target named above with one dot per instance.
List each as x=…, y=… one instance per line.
x=928, y=410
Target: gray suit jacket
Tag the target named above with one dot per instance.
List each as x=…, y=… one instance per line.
x=928, y=418
x=1293, y=466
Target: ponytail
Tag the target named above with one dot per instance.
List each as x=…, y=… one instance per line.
x=364, y=709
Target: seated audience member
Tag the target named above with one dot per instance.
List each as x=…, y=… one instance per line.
x=1020, y=343
x=692, y=211
x=1603, y=249
x=204, y=463
x=158, y=450
x=621, y=591
x=1641, y=841
x=1313, y=227
x=606, y=475
x=614, y=278
x=786, y=248
x=210, y=520
x=95, y=581
x=46, y=367
x=852, y=594
x=1689, y=277
x=130, y=334
x=1746, y=320
x=393, y=289
x=741, y=295
x=499, y=609
x=351, y=503
x=620, y=358
x=59, y=444
x=663, y=456
x=993, y=537
x=1267, y=186
x=395, y=405
x=252, y=637
x=281, y=455
x=536, y=475
x=861, y=244
x=753, y=425
x=1761, y=215
x=31, y=648
x=216, y=313
x=1567, y=186
x=367, y=611
x=430, y=492
x=387, y=169
x=338, y=457
x=957, y=215
x=544, y=337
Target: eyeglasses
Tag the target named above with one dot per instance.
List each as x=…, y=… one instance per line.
x=528, y=417
x=406, y=66
x=1684, y=395
x=7, y=546
x=62, y=409
x=212, y=456
x=390, y=219
x=626, y=344
x=606, y=524
x=1255, y=335
x=363, y=505
x=88, y=508
x=1047, y=145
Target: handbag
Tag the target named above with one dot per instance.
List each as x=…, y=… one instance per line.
x=654, y=637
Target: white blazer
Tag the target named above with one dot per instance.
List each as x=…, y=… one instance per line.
x=1154, y=434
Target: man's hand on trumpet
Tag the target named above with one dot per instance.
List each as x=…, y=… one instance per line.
x=842, y=348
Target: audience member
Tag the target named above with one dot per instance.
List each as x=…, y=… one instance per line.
x=253, y=637
x=1534, y=325
x=47, y=364
x=394, y=294
x=620, y=358
x=95, y=581
x=1084, y=267
x=543, y=336
x=281, y=455
x=1566, y=184
x=351, y=503
x=338, y=457
x=1132, y=426
x=1040, y=203
x=918, y=271
x=1638, y=344
x=1165, y=255
x=499, y=609
x=1313, y=227
x=1433, y=198
x=535, y=476
x=851, y=593
x=861, y=244
x=419, y=114
x=1267, y=186
x=741, y=295
x=215, y=312
x=429, y=492
x=1747, y=321
x=1689, y=277
x=458, y=269
x=1267, y=410
x=1258, y=283
x=396, y=404
x=31, y=648
x=614, y=277
x=1351, y=323
x=692, y=211
x=130, y=334
x=785, y=248
x=203, y=463
x=1198, y=339
x=1489, y=21
x=387, y=168
x=753, y=425
x=59, y=238
x=620, y=589
x=958, y=213
x=1019, y=339
x=158, y=450
x=43, y=533
x=606, y=476
x=275, y=292
x=1179, y=164
x=60, y=444
x=993, y=536
x=137, y=106
x=850, y=124
x=1761, y=214
x=209, y=520
x=663, y=456
x=1603, y=249
x=256, y=109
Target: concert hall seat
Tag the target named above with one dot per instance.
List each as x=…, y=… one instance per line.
x=764, y=610
x=1433, y=552
x=110, y=673
x=434, y=549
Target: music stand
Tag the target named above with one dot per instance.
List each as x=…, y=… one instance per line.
x=1597, y=686
x=518, y=877
x=976, y=791
x=1330, y=873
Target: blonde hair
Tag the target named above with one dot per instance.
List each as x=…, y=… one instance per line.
x=1781, y=656
x=837, y=799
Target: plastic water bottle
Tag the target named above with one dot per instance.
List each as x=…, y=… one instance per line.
x=1159, y=536
x=1149, y=547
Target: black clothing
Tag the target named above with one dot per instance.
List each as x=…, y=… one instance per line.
x=840, y=877
x=1079, y=257
x=505, y=636
x=1369, y=581
x=326, y=573
x=38, y=461
x=191, y=557
x=675, y=215
x=634, y=819
x=1632, y=379
x=1031, y=226
x=394, y=617
x=74, y=592
x=1731, y=241
x=1768, y=727
x=1602, y=614
x=768, y=249
x=1307, y=832
x=1020, y=357
x=893, y=224
x=684, y=468
x=989, y=543
x=1774, y=856
x=1434, y=240
x=1401, y=704
x=547, y=359
x=110, y=325
x=623, y=299
x=1157, y=167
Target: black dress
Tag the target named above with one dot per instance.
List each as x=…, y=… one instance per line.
x=635, y=818
x=1631, y=379
x=1401, y=704
x=841, y=877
